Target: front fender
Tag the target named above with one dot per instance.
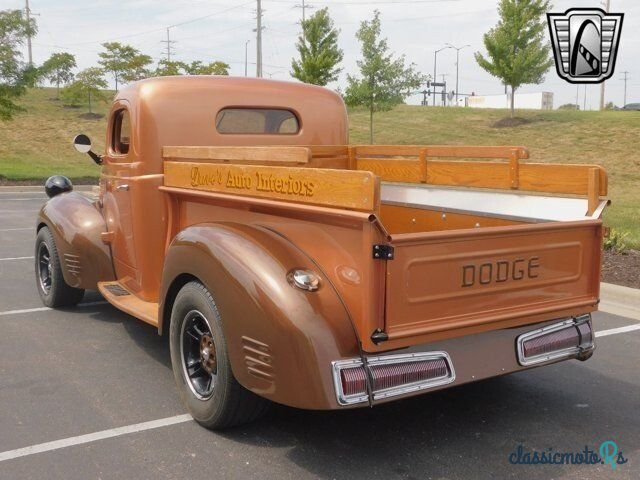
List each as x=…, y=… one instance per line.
x=281, y=340
x=77, y=225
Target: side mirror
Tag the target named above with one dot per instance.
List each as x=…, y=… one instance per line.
x=82, y=144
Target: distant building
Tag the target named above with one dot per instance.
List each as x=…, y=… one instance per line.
x=534, y=101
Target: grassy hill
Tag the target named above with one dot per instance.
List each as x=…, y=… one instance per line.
x=38, y=142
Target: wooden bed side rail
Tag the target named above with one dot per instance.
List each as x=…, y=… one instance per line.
x=338, y=188
x=270, y=155
x=316, y=156
x=459, y=151
x=415, y=164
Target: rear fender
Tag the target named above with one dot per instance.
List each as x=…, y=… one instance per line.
x=281, y=339
x=77, y=225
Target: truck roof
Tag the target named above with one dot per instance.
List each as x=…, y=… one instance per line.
x=183, y=110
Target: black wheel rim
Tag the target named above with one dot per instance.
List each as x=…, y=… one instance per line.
x=198, y=354
x=44, y=268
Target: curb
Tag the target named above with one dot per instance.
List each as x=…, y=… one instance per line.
x=619, y=300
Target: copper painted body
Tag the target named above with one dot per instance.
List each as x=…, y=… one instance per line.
x=152, y=239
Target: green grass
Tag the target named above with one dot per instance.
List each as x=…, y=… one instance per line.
x=38, y=142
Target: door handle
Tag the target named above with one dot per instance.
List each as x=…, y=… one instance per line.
x=122, y=188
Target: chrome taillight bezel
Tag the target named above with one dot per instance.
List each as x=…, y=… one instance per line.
x=564, y=353
x=405, y=358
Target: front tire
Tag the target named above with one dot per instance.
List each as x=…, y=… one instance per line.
x=52, y=288
x=201, y=366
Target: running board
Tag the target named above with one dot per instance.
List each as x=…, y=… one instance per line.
x=117, y=295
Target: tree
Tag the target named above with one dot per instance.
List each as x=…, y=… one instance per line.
x=168, y=68
x=136, y=68
x=385, y=81
x=213, y=68
x=124, y=62
x=57, y=69
x=318, y=49
x=517, y=52
x=15, y=76
x=89, y=84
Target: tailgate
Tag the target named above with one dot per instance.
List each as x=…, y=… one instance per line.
x=448, y=284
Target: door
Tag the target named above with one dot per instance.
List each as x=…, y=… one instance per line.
x=117, y=190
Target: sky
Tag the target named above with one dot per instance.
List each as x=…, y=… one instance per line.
x=210, y=30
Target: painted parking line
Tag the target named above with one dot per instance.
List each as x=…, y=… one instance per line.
x=93, y=437
x=19, y=211
x=21, y=199
x=6, y=259
x=615, y=331
x=16, y=229
x=44, y=309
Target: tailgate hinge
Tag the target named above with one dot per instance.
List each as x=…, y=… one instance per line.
x=383, y=252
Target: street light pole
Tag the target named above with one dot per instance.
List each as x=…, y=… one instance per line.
x=246, y=45
x=457, y=49
x=435, y=71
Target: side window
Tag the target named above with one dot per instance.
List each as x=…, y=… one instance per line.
x=256, y=121
x=121, y=132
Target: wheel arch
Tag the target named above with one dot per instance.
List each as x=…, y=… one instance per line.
x=77, y=226
x=279, y=338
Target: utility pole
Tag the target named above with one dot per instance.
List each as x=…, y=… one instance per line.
x=584, y=103
x=444, y=89
x=625, y=87
x=28, y=15
x=259, y=40
x=304, y=7
x=457, y=49
x=246, y=44
x=577, y=98
x=607, y=5
x=169, y=42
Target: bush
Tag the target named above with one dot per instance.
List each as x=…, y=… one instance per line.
x=569, y=106
x=616, y=241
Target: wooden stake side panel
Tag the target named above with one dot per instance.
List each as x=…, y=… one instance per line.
x=354, y=190
x=534, y=177
x=459, y=151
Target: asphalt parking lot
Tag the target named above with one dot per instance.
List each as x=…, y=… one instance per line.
x=90, y=378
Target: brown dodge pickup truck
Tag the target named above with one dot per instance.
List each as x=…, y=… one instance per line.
x=289, y=266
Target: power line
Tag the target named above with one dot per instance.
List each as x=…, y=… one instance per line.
x=155, y=30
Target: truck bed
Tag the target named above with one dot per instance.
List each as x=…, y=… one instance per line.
x=473, y=244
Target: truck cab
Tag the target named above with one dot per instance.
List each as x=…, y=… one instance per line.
x=289, y=266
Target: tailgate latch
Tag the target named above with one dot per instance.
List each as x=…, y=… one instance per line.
x=383, y=252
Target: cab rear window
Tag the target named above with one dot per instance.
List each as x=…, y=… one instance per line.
x=256, y=121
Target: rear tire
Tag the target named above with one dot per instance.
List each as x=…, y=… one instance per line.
x=52, y=288
x=201, y=366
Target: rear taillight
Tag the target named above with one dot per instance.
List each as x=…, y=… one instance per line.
x=391, y=375
x=565, y=339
